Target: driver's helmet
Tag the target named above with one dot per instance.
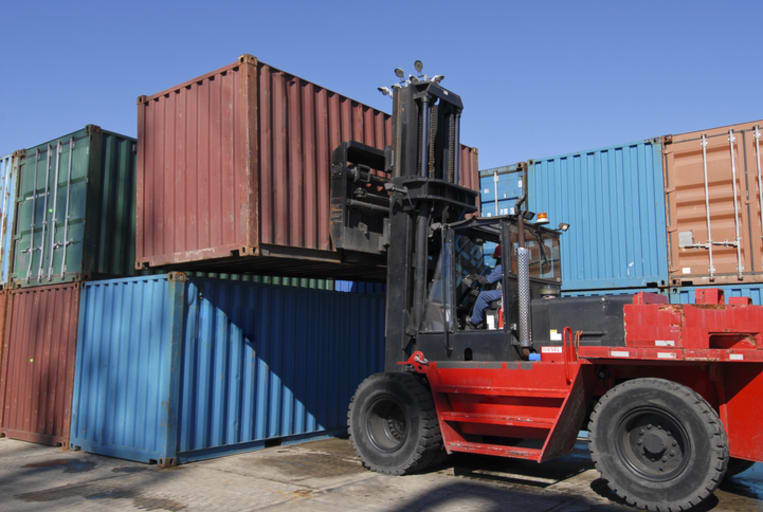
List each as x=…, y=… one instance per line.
x=497, y=252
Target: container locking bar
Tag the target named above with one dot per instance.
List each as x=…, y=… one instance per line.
x=760, y=181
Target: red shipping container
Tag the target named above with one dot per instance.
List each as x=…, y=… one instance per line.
x=235, y=164
x=37, y=371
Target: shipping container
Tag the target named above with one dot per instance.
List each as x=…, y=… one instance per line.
x=500, y=187
x=687, y=295
x=614, y=202
x=37, y=372
x=234, y=166
x=9, y=171
x=714, y=205
x=173, y=368
x=75, y=216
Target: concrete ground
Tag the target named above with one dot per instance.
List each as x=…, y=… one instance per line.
x=317, y=476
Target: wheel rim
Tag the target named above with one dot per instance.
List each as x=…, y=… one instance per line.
x=653, y=443
x=385, y=424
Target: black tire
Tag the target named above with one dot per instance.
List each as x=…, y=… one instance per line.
x=658, y=444
x=737, y=466
x=393, y=424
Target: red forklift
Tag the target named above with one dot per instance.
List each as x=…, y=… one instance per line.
x=668, y=393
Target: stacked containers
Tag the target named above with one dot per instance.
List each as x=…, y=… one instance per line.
x=172, y=368
x=233, y=170
x=613, y=200
x=74, y=219
x=711, y=234
x=714, y=206
x=9, y=171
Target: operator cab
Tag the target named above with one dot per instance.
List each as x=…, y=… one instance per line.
x=465, y=253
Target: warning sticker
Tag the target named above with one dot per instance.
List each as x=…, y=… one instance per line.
x=554, y=335
x=686, y=270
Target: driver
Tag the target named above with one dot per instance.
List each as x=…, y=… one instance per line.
x=487, y=296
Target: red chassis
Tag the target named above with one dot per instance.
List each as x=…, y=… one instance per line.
x=712, y=348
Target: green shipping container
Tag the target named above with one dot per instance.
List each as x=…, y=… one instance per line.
x=75, y=216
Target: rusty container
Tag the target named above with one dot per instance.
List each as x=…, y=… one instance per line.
x=233, y=170
x=713, y=205
x=37, y=372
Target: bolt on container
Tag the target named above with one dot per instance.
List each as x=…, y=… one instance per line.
x=714, y=205
x=613, y=199
x=173, y=368
x=9, y=172
x=37, y=365
x=75, y=215
x=234, y=168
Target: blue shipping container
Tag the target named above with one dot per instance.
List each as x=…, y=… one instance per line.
x=629, y=291
x=614, y=201
x=686, y=295
x=500, y=188
x=175, y=368
x=9, y=172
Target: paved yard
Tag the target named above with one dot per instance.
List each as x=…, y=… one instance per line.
x=317, y=476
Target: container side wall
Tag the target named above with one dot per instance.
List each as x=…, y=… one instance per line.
x=240, y=158
x=614, y=202
x=687, y=295
x=620, y=291
x=263, y=362
x=75, y=209
x=688, y=212
x=118, y=392
x=9, y=172
x=38, y=358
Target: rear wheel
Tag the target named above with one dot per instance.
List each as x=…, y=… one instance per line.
x=393, y=424
x=659, y=445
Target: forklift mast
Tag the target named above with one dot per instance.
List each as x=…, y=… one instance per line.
x=405, y=193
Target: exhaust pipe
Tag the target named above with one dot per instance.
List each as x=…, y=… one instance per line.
x=523, y=278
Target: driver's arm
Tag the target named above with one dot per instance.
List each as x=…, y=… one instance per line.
x=496, y=275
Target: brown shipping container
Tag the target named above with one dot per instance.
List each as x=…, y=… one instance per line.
x=236, y=163
x=687, y=205
x=37, y=372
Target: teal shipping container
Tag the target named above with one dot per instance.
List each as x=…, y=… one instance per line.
x=687, y=294
x=9, y=171
x=173, y=367
x=75, y=215
x=613, y=199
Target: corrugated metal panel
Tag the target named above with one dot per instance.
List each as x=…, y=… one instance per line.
x=614, y=202
x=688, y=212
x=76, y=209
x=9, y=171
x=686, y=295
x=39, y=339
x=236, y=163
x=169, y=369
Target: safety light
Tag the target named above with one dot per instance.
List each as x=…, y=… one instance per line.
x=563, y=226
x=542, y=218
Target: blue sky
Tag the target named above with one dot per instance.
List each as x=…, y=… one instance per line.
x=537, y=78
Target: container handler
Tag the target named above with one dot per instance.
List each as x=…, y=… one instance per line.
x=669, y=393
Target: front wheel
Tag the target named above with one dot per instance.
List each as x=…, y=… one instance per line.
x=393, y=424
x=659, y=444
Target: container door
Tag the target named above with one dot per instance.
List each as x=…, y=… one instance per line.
x=8, y=185
x=712, y=207
x=51, y=211
x=753, y=147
